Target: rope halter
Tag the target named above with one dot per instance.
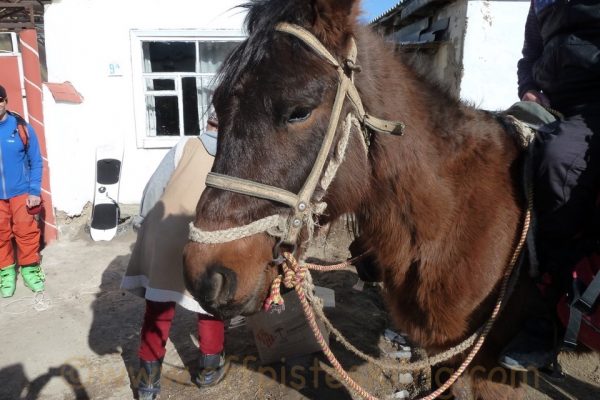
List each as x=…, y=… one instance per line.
x=303, y=209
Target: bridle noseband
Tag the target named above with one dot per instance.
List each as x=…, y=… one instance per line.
x=303, y=207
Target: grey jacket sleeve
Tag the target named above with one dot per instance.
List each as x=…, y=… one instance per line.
x=155, y=186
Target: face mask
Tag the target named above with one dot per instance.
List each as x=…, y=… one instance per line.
x=209, y=140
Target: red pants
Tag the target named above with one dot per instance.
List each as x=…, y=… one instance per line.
x=157, y=323
x=16, y=221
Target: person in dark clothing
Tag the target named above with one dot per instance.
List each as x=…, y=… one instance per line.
x=560, y=69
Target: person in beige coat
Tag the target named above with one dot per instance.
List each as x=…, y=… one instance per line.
x=155, y=269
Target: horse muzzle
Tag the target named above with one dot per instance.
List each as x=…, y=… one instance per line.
x=223, y=282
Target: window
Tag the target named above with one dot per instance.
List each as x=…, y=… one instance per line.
x=8, y=41
x=175, y=82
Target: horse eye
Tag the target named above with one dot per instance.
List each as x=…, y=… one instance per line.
x=299, y=115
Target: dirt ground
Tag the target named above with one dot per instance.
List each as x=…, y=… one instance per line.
x=79, y=340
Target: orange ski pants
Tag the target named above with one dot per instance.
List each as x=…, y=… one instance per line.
x=16, y=222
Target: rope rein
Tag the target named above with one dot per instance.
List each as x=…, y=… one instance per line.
x=298, y=277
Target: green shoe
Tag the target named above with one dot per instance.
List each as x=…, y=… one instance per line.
x=33, y=277
x=8, y=281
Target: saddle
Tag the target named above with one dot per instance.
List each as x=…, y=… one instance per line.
x=531, y=114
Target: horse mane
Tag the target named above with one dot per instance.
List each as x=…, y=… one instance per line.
x=326, y=22
x=261, y=19
x=260, y=23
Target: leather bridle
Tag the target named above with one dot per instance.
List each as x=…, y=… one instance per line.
x=288, y=227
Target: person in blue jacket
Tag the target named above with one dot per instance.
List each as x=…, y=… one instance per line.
x=20, y=197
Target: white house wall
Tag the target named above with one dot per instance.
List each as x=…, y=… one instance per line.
x=83, y=38
x=492, y=47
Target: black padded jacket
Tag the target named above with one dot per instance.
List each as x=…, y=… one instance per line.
x=561, y=52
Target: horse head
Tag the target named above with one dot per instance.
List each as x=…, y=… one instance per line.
x=274, y=102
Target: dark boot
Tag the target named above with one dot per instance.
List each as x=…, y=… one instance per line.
x=211, y=369
x=533, y=348
x=149, y=379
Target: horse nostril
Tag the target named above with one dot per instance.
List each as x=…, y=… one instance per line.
x=218, y=286
x=215, y=282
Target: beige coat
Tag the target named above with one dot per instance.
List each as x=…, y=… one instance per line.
x=155, y=270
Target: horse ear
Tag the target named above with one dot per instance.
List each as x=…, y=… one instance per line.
x=335, y=20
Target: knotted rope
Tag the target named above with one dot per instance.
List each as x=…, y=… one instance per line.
x=227, y=235
x=295, y=276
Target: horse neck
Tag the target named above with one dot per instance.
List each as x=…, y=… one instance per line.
x=437, y=197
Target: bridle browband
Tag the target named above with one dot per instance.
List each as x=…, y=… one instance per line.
x=288, y=227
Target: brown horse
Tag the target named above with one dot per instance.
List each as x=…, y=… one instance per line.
x=439, y=208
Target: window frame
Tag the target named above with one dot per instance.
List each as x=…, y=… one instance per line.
x=139, y=77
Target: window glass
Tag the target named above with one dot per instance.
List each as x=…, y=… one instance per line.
x=163, y=115
x=212, y=55
x=160, y=84
x=169, y=56
x=6, y=43
x=191, y=122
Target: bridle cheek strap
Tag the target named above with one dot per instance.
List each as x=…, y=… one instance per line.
x=368, y=120
x=302, y=207
x=300, y=203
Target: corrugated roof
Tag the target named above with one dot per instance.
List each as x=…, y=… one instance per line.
x=385, y=14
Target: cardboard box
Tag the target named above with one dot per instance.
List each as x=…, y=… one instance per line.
x=287, y=334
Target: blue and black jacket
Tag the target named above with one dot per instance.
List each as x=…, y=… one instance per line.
x=21, y=163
